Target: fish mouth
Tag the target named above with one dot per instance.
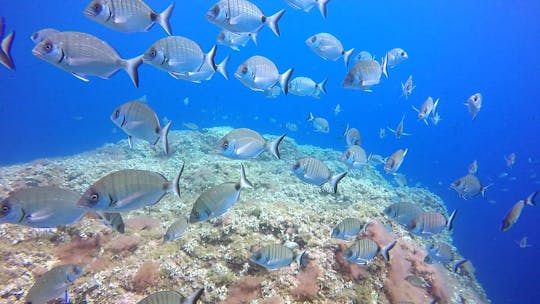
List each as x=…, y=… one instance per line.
x=209, y=16
x=36, y=52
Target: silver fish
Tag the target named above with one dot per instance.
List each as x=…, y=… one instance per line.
x=429, y=223
x=128, y=15
x=524, y=243
x=352, y=136
x=53, y=284
x=435, y=118
x=113, y=220
x=315, y=172
x=468, y=186
x=362, y=252
x=319, y=124
x=138, y=120
x=176, y=229
x=328, y=47
x=178, y=55
x=363, y=55
x=304, y=86
x=396, y=56
x=43, y=34
x=427, y=107
x=128, y=189
x=473, y=167
x=403, y=212
x=337, y=109
x=41, y=207
x=394, y=161
x=439, y=253
x=400, y=179
x=514, y=213
x=218, y=199
x=84, y=55
x=399, y=129
x=245, y=143
x=171, y=297
x=355, y=157
x=364, y=74
x=273, y=256
x=347, y=229
x=5, y=51
x=307, y=5
x=261, y=74
x=407, y=87
x=235, y=40
x=206, y=72
x=474, y=104
x=242, y=16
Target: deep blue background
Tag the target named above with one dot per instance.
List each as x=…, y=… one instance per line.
x=456, y=48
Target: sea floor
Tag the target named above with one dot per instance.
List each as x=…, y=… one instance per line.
x=124, y=268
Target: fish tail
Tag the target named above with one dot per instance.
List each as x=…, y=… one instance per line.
x=244, y=182
x=457, y=264
x=273, y=146
x=347, y=56
x=222, y=67
x=193, y=298
x=346, y=130
x=6, y=48
x=273, y=20
x=450, y=223
x=484, y=189
x=386, y=249
x=334, y=180
x=209, y=57
x=254, y=37
x=531, y=199
x=322, y=7
x=164, y=137
x=163, y=19
x=322, y=86
x=310, y=117
x=284, y=80
x=131, y=66
x=384, y=65
x=174, y=185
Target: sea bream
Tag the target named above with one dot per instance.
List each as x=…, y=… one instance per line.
x=242, y=16
x=261, y=74
x=395, y=160
x=128, y=189
x=365, y=74
x=430, y=223
x=178, y=55
x=407, y=87
x=514, y=213
x=469, y=186
x=84, y=55
x=138, y=120
x=474, y=104
x=439, y=253
x=363, y=251
x=352, y=136
x=245, y=143
x=206, y=71
x=53, y=284
x=396, y=56
x=319, y=124
x=328, y=47
x=5, y=51
x=399, y=129
x=273, y=256
x=172, y=297
x=315, y=172
x=304, y=86
x=128, y=15
x=176, y=229
x=307, y=5
x=427, y=107
x=355, y=157
x=347, y=229
x=41, y=207
x=235, y=40
x=363, y=55
x=403, y=212
x=219, y=199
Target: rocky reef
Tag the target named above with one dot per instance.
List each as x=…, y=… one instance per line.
x=124, y=268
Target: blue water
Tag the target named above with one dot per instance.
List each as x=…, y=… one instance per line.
x=456, y=48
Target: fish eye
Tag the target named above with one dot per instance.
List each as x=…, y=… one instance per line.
x=226, y=144
x=402, y=54
x=97, y=8
x=94, y=197
x=244, y=70
x=258, y=256
x=48, y=46
x=296, y=165
x=5, y=208
x=215, y=10
x=153, y=53
x=314, y=38
x=116, y=113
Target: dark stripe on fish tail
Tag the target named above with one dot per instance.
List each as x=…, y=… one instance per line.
x=23, y=216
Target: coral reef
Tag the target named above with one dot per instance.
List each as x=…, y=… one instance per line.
x=215, y=254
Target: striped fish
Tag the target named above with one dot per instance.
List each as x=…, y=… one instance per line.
x=261, y=74
x=218, y=199
x=328, y=47
x=304, y=86
x=403, y=212
x=171, y=297
x=352, y=136
x=394, y=161
x=178, y=55
x=128, y=189
x=355, y=157
x=364, y=74
x=347, y=229
x=315, y=172
x=128, y=15
x=53, y=284
x=364, y=251
x=176, y=229
x=439, y=253
x=429, y=223
x=468, y=186
x=242, y=16
x=245, y=143
x=5, y=51
x=113, y=220
x=273, y=256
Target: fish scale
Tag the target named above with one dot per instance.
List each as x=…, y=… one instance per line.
x=242, y=7
x=403, y=212
x=82, y=45
x=133, y=8
x=181, y=50
x=316, y=168
x=362, y=251
x=263, y=66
